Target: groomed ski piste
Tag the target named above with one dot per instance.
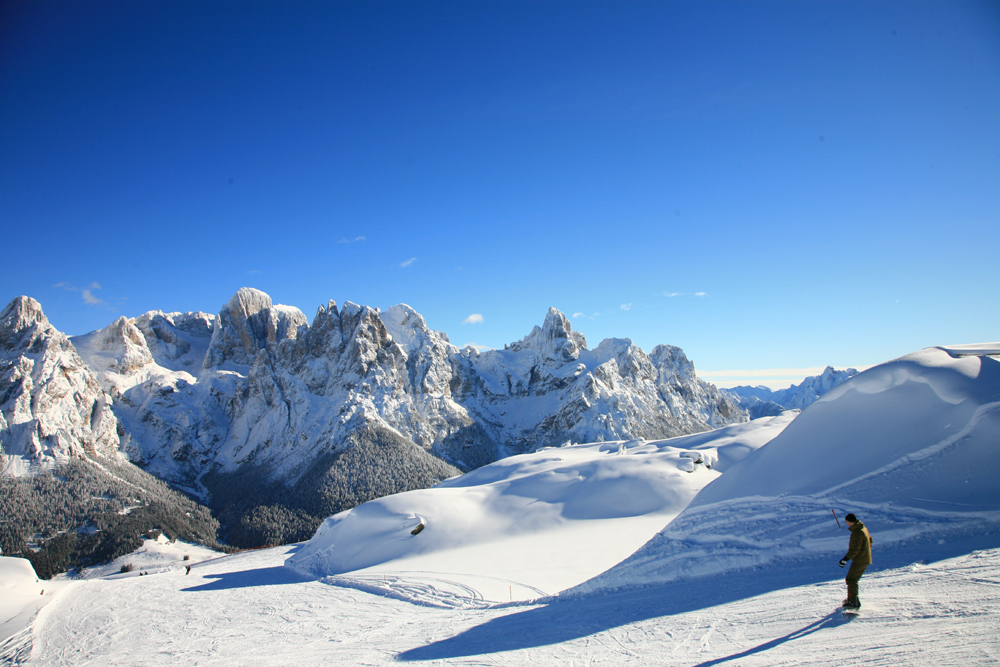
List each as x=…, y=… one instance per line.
x=714, y=549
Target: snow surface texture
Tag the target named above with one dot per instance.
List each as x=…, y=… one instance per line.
x=528, y=526
x=258, y=385
x=247, y=610
x=23, y=594
x=761, y=401
x=911, y=446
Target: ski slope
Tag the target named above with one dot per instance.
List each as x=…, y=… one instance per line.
x=248, y=610
x=713, y=549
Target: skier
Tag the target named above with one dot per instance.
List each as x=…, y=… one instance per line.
x=859, y=552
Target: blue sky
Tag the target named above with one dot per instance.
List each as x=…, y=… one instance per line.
x=769, y=185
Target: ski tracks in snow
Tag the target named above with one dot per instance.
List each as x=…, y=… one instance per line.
x=431, y=589
x=249, y=611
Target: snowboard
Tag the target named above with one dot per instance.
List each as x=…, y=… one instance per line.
x=850, y=611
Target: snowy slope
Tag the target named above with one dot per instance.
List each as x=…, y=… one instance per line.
x=247, y=610
x=20, y=591
x=23, y=594
x=527, y=526
x=153, y=557
x=912, y=446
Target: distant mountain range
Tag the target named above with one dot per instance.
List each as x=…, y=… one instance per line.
x=761, y=401
x=277, y=423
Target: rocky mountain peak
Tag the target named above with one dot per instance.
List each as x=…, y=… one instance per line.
x=631, y=360
x=247, y=302
x=169, y=337
x=672, y=363
x=128, y=345
x=53, y=407
x=554, y=341
x=366, y=339
x=249, y=323
x=22, y=314
x=409, y=329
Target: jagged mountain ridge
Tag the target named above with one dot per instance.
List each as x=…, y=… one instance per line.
x=272, y=390
x=256, y=398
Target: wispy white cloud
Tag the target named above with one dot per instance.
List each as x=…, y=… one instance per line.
x=626, y=306
x=578, y=315
x=408, y=262
x=90, y=299
x=87, y=293
x=672, y=295
x=254, y=272
x=474, y=318
x=356, y=239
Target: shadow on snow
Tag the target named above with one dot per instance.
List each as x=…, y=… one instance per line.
x=265, y=576
x=831, y=620
x=564, y=620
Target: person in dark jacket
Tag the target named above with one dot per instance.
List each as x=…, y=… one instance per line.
x=859, y=552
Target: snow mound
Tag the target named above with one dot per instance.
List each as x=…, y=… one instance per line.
x=20, y=591
x=917, y=431
x=526, y=526
x=16, y=573
x=912, y=446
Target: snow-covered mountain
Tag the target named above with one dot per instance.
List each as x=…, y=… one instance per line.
x=258, y=404
x=68, y=494
x=271, y=390
x=761, y=401
x=52, y=408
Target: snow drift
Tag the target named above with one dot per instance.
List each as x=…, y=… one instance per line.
x=529, y=525
x=912, y=446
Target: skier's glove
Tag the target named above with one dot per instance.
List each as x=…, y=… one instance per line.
x=843, y=562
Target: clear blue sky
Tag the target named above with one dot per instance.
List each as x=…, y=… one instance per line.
x=769, y=185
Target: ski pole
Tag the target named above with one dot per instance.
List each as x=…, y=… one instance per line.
x=835, y=518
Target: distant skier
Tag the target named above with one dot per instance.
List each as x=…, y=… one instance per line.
x=859, y=552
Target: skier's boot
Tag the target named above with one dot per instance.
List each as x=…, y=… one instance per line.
x=852, y=604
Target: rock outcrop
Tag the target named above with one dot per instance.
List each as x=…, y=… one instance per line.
x=52, y=408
